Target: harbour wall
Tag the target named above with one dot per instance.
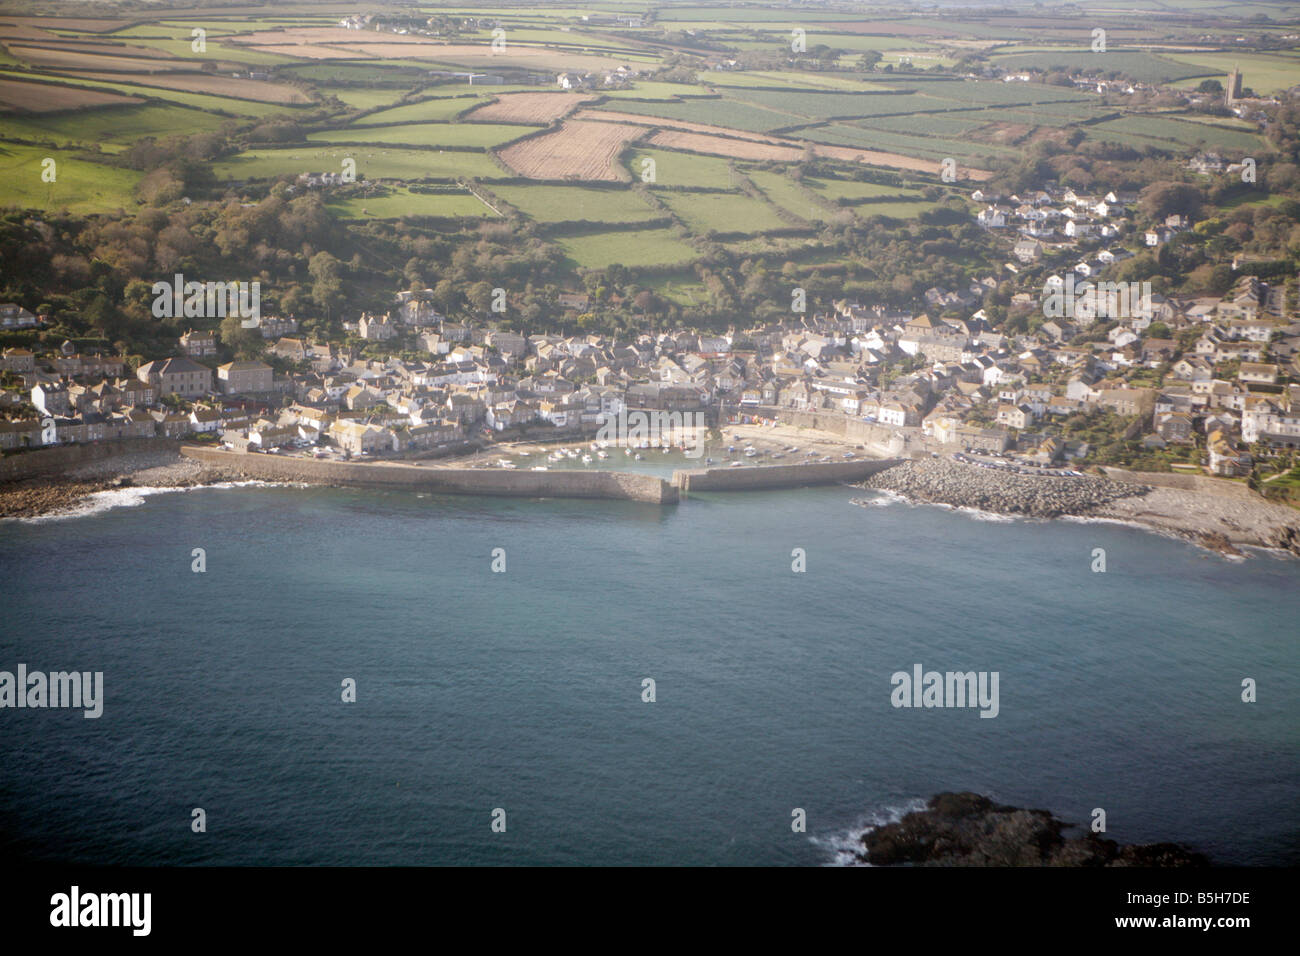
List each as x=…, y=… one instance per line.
x=60, y=458
x=453, y=481
x=780, y=476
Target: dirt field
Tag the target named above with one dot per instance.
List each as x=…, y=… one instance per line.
x=73, y=60
x=576, y=150
x=335, y=43
x=307, y=51
x=722, y=141
x=214, y=85
x=724, y=146
x=527, y=108
x=17, y=96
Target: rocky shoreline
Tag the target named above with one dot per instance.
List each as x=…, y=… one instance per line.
x=42, y=496
x=967, y=829
x=1219, y=522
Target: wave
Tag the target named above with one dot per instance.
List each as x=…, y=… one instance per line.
x=842, y=846
x=98, y=502
x=882, y=499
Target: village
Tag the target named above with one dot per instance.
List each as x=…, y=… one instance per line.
x=1209, y=381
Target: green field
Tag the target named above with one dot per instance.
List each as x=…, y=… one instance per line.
x=1140, y=65
x=783, y=191
x=1265, y=73
x=682, y=169
x=716, y=112
x=113, y=124
x=643, y=247
x=80, y=186
x=1168, y=132
x=853, y=192
x=577, y=203
x=477, y=135
x=401, y=203
x=438, y=109
x=372, y=163
x=723, y=212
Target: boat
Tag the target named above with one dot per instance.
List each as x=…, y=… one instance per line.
x=637, y=456
x=586, y=459
x=602, y=454
x=751, y=452
x=736, y=464
x=667, y=449
x=540, y=468
x=627, y=452
x=731, y=449
x=708, y=461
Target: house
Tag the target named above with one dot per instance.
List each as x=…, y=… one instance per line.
x=242, y=378
x=18, y=360
x=1257, y=373
x=177, y=376
x=199, y=344
x=14, y=316
x=1225, y=458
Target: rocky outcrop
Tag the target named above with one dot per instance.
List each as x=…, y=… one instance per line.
x=967, y=829
x=940, y=481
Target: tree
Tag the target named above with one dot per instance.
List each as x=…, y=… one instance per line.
x=327, y=287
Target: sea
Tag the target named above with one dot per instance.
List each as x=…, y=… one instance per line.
x=561, y=682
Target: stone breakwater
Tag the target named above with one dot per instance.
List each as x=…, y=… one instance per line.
x=939, y=481
x=967, y=829
x=452, y=481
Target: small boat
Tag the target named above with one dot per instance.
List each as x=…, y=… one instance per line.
x=627, y=452
x=540, y=468
x=708, y=461
x=602, y=454
x=736, y=464
x=637, y=456
x=586, y=459
x=731, y=449
x=525, y=454
x=667, y=449
x=751, y=452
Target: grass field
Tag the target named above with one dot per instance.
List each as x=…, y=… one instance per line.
x=372, y=163
x=434, y=110
x=1265, y=73
x=644, y=247
x=682, y=169
x=479, y=135
x=1156, y=130
x=80, y=186
x=723, y=212
x=1139, y=64
x=783, y=191
x=118, y=124
x=547, y=203
x=400, y=203
x=852, y=192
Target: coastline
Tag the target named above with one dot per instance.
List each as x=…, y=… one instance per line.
x=1224, y=521
x=1220, y=516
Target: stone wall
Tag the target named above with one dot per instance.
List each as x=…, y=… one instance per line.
x=455, y=481
x=1183, y=482
x=779, y=476
x=62, y=458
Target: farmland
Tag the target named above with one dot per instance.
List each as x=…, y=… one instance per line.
x=577, y=150
x=743, y=140
x=651, y=247
x=548, y=203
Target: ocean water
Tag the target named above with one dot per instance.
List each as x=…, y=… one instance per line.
x=522, y=690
